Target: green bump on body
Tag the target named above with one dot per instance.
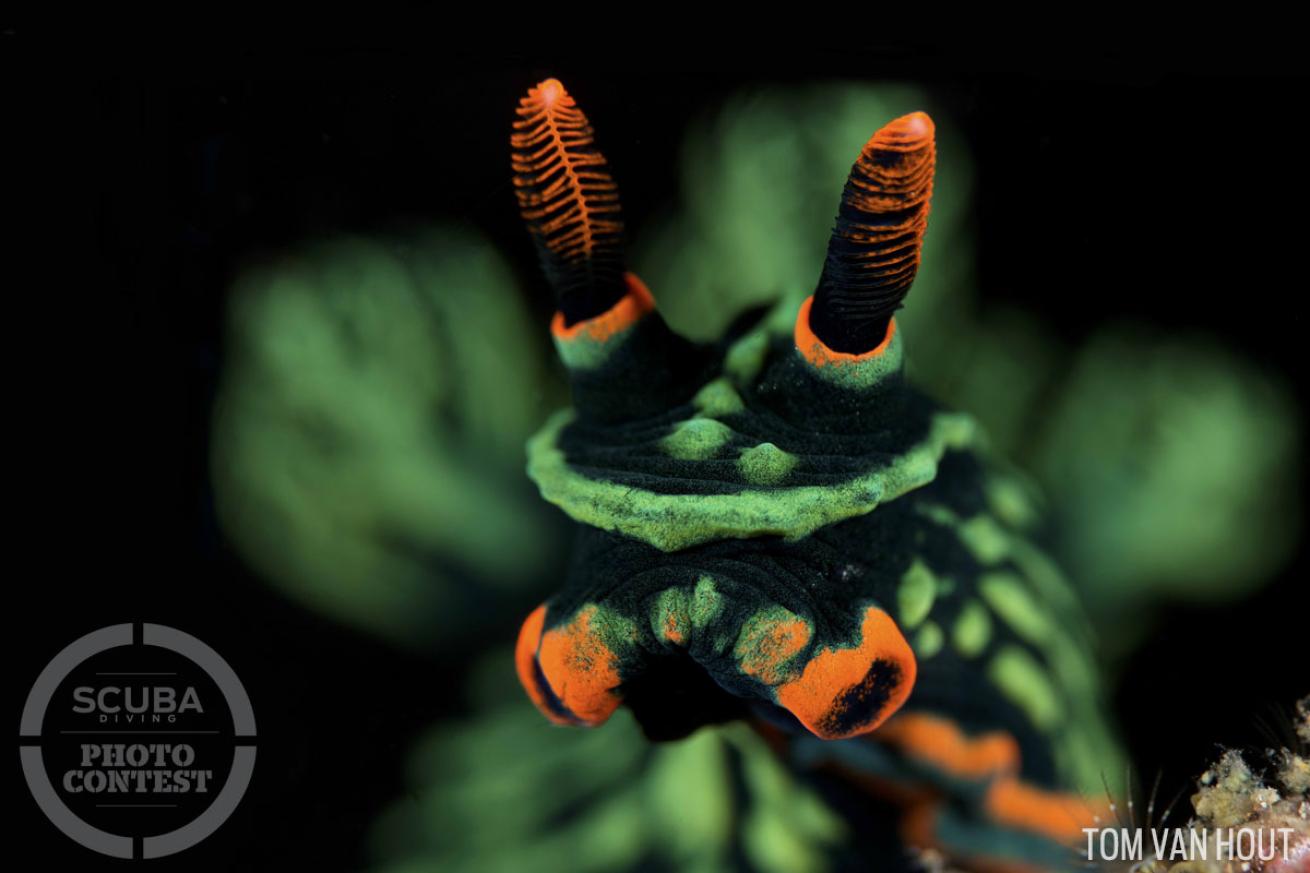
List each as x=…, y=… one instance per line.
x=1009, y=500
x=938, y=514
x=1084, y=759
x=1009, y=598
x=745, y=358
x=1074, y=668
x=617, y=630
x=769, y=641
x=670, y=522
x=670, y=620
x=915, y=595
x=696, y=439
x=1024, y=681
x=973, y=630
x=982, y=536
x=986, y=539
x=706, y=603
x=717, y=399
x=765, y=464
x=1046, y=577
x=929, y=640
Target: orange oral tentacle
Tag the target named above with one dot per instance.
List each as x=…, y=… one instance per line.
x=846, y=692
x=581, y=669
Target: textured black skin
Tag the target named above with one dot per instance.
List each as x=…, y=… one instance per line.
x=824, y=577
x=625, y=409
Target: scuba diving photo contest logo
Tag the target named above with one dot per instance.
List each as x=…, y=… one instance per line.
x=137, y=741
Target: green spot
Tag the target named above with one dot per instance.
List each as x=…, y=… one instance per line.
x=671, y=618
x=1074, y=668
x=986, y=539
x=928, y=641
x=1086, y=763
x=762, y=651
x=973, y=630
x=1010, y=501
x=670, y=522
x=1006, y=594
x=1027, y=685
x=697, y=439
x=718, y=399
x=939, y=514
x=1046, y=577
x=765, y=464
x=617, y=630
x=982, y=536
x=915, y=595
x=706, y=603
x=745, y=358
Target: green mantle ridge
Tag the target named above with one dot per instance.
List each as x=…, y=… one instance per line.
x=670, y=522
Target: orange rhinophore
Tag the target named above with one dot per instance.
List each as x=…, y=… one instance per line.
x=873, y=253
x=569, y=201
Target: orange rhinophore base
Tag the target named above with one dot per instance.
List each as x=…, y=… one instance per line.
x=816, y=350
x=630, y=309
x=845, y=692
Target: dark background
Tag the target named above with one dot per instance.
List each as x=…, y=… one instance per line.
x=1108, y=186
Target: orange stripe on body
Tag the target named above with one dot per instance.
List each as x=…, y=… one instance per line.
x=1058, y=815
x=941, y=742
x=918, y=828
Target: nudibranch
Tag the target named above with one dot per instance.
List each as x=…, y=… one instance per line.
x=778, y=526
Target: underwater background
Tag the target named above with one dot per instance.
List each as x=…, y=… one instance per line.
x=298, y=433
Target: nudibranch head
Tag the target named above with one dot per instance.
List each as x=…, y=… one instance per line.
x=717, y=572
